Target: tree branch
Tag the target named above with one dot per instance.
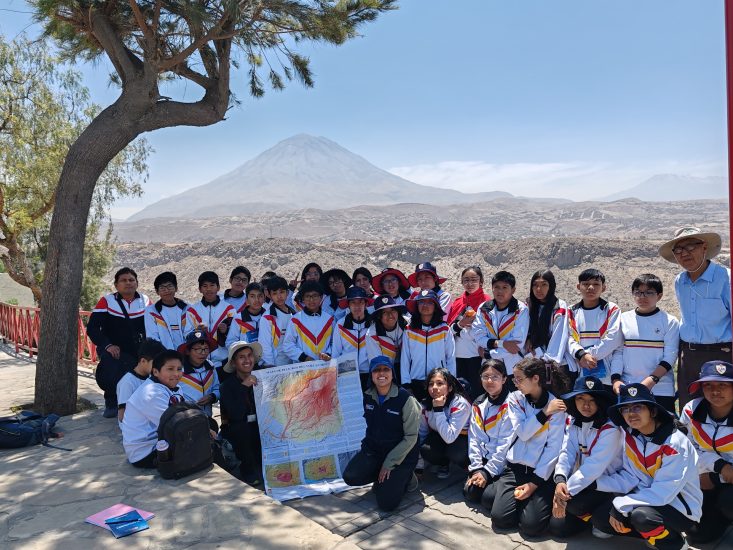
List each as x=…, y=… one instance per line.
x=149, y=36
x=126, y=64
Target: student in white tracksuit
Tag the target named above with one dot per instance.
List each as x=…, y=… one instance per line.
x=426, y=277
x=444, y=422
x=547, y=337
x=658, y=489
x=427, y=343
x=490, y=435
x=709, y=420
x=591, y=447
x=350, y=332
x=525, y=489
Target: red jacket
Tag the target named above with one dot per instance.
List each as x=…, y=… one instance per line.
x=464, y=300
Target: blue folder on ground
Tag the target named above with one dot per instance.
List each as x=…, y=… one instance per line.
x=126, y=524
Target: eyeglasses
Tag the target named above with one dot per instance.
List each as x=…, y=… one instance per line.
x=471, y=281
x=200, y=349
x=631, y=409
x=492, y=378
x=518, y=380
x=644, y=294
x=677, y=250
x=167, y=286
x=390, y=281
x=244, y=280
x=334, y=282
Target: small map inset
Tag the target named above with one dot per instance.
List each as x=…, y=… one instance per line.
x=318, y=469
x=302, y=407
x=282, y=475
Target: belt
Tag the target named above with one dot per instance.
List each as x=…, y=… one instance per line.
x=721, y=346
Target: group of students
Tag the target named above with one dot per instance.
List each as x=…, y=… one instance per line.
x=502, y=420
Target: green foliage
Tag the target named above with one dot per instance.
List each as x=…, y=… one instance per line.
x=176, y=36
x=43, y=109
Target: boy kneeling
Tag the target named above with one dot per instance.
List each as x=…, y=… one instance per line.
x=145, y=407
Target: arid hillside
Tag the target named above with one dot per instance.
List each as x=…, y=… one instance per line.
x=620, y=259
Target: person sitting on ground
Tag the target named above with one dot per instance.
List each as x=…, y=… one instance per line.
x=500, y=328
x=425, y=277
x=547, y=337
x=393, y=283
x=389, y=450
x=658, y=489
x=200, y=382
x=524, y=491
x=709, y=419
x=460, y=318
x=427, y=343
x=117, y=328
x=591, y=446
x=444, y=423
x=309, y=335
x=650, y=341
x=238, y=414
x=594, y=328
x=145, y=407
x=165, y=318
x=350, y=332
x=490, y=434
x=275, y=322
x=132, y=380
x=238, y=281
x=245, y=325
x=212, y=315
x=335, y=282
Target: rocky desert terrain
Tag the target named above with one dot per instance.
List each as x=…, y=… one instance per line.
x=621, y=259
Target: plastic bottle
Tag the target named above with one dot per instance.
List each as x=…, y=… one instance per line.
x=470, y=312
x=163, y=450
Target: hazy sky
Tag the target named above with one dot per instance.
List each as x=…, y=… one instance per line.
x=567, y=98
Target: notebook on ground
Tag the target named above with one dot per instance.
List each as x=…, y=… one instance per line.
x=99, y=518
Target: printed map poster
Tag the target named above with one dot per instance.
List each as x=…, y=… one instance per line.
x=311, y=420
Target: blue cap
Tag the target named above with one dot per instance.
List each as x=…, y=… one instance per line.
x=380, y=360
x=635, y=393
x=424, y=295
x=355, y=293
x=712, y=371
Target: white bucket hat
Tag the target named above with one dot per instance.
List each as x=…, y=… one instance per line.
x=236, y=346
x=711, y=239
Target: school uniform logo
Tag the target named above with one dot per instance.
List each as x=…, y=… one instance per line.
x=632, y=392
x=720, y=368
x=589, y=384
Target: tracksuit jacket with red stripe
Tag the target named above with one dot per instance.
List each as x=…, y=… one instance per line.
x=425, y=348
x=490, y=434
x=713, y=440
x=210, y=315
x=589, y=449
x=308, y=335
x=273, y=328
x=492, y=324
x=449, y=421
x=657, y=470
x=351, y=337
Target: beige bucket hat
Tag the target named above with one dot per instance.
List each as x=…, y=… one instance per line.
x=711, y=239
x=236, y=346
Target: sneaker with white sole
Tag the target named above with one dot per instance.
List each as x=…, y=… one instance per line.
x=443, y=472
x=600, y=534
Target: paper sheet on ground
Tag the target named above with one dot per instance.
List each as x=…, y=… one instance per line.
x=311, y=421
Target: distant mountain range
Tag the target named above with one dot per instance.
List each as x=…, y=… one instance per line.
x=302, y=172
x=675, y=187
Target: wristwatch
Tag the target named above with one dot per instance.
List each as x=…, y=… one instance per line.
x=655, y=378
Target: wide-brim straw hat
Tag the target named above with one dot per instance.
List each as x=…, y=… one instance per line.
x=711, y=239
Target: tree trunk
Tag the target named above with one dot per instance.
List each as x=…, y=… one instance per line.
x=56, y=368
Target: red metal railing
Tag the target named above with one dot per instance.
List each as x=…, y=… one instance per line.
x=21, y=326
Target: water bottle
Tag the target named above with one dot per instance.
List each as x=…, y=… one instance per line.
x=163, y=449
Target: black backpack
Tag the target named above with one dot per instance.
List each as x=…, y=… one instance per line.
x=186, y=429
x=27, y=428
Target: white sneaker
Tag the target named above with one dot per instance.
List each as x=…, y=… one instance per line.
x=600, y=534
